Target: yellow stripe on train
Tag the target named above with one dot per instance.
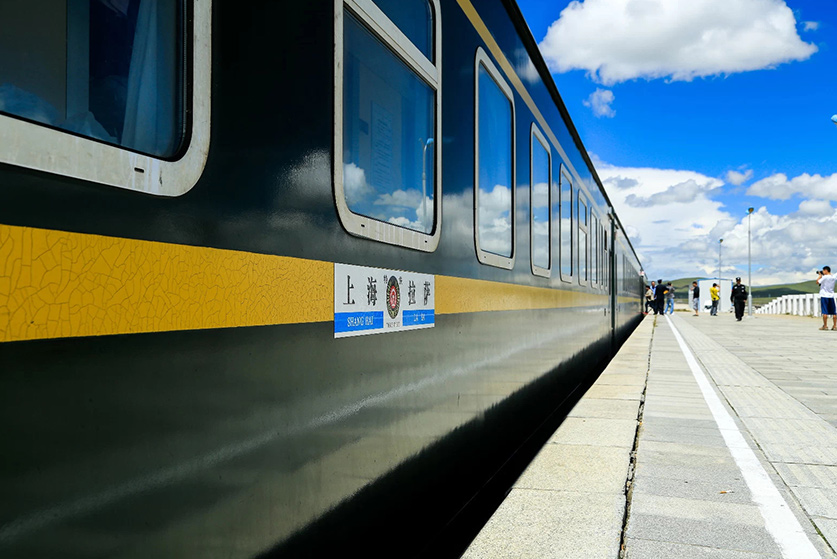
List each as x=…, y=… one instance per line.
x=55, y=284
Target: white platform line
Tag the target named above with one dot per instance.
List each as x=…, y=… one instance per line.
x=778, y=518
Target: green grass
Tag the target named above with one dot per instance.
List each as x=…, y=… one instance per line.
x=761, y=295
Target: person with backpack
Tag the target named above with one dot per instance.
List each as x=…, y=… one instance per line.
x=669, y=299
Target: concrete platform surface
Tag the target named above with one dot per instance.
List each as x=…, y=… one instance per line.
x=704, y=438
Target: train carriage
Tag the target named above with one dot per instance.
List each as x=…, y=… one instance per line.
x=278, y=279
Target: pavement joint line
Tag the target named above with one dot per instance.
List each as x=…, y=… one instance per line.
x=629, y=482
x=779, y=520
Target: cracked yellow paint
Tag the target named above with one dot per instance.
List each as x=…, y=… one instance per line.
x=55, y=284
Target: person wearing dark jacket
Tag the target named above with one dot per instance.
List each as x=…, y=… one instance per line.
x=738, y=298
x=659, y=297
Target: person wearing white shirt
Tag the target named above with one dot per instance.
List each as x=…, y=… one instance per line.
x=826, y=281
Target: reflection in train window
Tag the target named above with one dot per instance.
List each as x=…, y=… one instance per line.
x=387, y=121
x=388, y=134
x=110, y=71
x=583, y=249
x=566, y=225
x=494, y=176
x=540, y=171
x=415, y=19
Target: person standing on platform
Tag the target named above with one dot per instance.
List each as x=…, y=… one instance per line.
x=827, y=305
x=738, y=298
x=649, y=297
x=715, y=293
x=669, y=298
x=695, y=297
x=659, y=297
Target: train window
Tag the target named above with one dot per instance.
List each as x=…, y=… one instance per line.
x=566, y=189
x=415, y=19
x=387, y=119
x=583, y=248
x=594, y=248
x=608, y=260
x=494, y=165
x=111, y=92
x=601, y=256
x=540, y=194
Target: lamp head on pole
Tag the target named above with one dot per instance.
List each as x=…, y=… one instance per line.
x=834, y=119
x=750, y=210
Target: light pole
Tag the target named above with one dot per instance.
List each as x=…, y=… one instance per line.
x=749, y=265
x=720, y=241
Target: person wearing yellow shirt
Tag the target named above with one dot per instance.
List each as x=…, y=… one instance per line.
x=715, y=293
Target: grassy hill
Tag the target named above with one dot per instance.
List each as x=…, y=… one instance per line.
x=681, y=287
x=774, y=291
x=761, y=295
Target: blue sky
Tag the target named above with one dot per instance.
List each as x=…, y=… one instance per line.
x=694, y=111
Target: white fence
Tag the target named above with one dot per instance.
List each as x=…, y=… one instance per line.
x=807, y=304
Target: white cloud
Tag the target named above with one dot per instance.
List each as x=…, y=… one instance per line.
x=681, y=193
x=785, y=248
x=619, y=40
x=674, y=223
x=404, y=198
x=540, y=196
x=600, y=101
x=778, y=187
x=497, y=201
x=815, y=208
x=528, y=72
x=736, y=178
x=810, y=25
x=354, y=184
x=663, y=209
x=495, y=220
x=622, y=183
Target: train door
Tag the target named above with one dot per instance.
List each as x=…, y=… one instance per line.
x=610, y=244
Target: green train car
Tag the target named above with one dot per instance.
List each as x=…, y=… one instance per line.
x=284, y=278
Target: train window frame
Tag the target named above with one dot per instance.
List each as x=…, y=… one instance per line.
x=594, y=249
x=565, y=178
x=607, y=254
x=485, y=257
x=603, y=250
x=80, y=157
x=583, y=226
x=379, y=25
x=535, y=135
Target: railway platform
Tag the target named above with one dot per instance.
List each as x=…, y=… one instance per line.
x=704, y=438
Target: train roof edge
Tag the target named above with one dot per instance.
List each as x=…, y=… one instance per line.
x=531, y=44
